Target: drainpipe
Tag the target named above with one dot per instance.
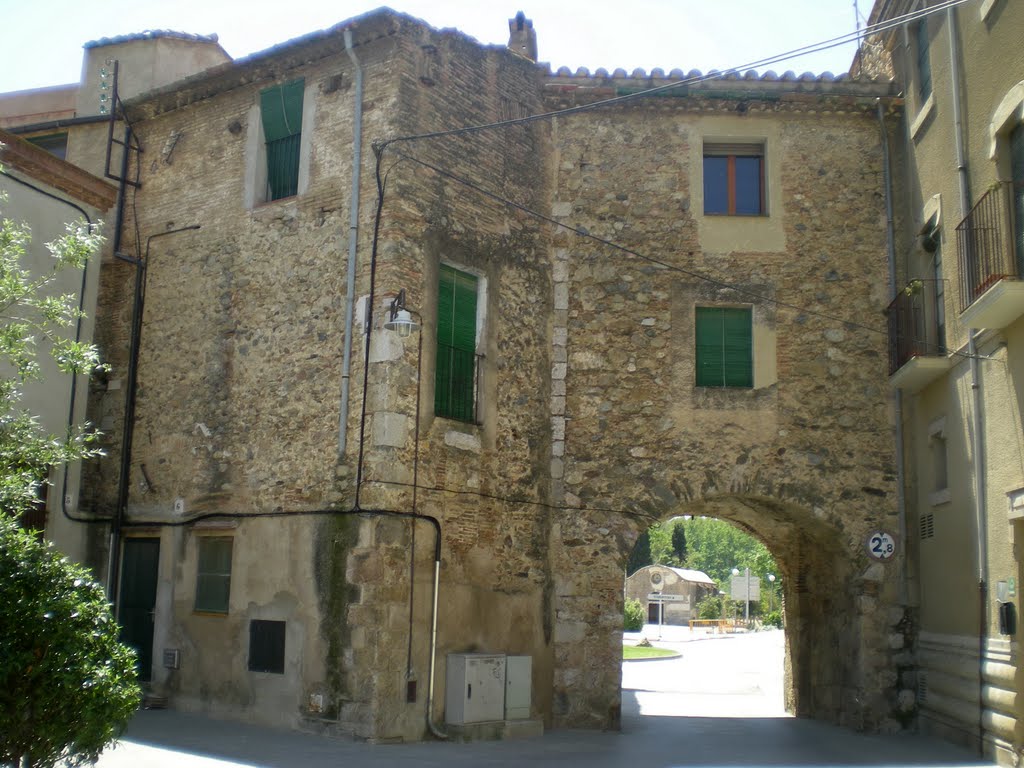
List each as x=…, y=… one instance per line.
x=978, y=441
x=353, y=231
x=128, y=428
x=890, y=242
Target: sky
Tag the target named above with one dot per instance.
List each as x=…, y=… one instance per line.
x=43, y=38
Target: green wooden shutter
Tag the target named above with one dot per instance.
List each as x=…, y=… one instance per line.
x=737, y=343
x=709, y=347
x=281, y=112
x=724, y=337
x=456, y=344
x=213, y=574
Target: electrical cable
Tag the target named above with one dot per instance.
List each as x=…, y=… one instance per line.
x=527, y=502
x=850, y=324
x=835, y=42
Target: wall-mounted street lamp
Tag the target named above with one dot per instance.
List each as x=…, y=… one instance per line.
x=400, y=319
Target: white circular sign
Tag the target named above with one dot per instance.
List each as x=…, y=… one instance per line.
x=881, y=545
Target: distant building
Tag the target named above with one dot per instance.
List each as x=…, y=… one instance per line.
x=670, y=595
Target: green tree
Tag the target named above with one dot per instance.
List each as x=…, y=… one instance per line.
x=641, y=554
x=32, y=317
x=679, y=541
x=66, y=685
x=716, y=547
x=661, y=544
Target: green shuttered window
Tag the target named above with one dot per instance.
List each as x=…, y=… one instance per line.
x=281, y=112
x=213, y=577
x=454, y=382
x=724, y=347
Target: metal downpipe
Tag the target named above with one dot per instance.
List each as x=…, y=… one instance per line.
x=890, y=241
x=353, y=232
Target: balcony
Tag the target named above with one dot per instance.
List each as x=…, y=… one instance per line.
x=917, y=354
x=990, y=256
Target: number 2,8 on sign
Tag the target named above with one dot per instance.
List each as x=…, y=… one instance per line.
x=881, y=545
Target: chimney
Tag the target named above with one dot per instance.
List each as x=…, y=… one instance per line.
x=521, y=37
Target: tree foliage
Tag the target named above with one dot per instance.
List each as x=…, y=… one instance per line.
x=641, y=554
x=67, y=686
x=634, y=615
x=34, y=319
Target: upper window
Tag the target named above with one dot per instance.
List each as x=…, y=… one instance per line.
x=924, y=66
x=734, y=179
x=725, y=347
x=213, y=575
x=54, y=143
x=281, y=113
x=455, y=383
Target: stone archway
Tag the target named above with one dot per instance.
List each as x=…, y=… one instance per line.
x=841, y=615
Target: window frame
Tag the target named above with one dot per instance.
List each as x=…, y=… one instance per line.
x=732, y=151
x=922, y=62
x=287, y=148
x=702, y=370
x=464, y=408
x=203, y=542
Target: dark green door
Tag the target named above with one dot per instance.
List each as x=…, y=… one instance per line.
x=139, y=567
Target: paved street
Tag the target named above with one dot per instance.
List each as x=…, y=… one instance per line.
x=737, y=679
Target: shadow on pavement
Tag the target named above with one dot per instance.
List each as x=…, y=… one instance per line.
x=168, y=739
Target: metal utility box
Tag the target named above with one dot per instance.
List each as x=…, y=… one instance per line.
x=475, y=688
x=518, y=672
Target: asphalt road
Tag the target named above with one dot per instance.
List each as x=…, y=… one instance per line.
x=667, y=722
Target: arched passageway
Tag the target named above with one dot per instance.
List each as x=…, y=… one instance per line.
x=840, y=611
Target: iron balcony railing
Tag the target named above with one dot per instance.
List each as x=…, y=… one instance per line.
x=457, y=384
x=914, y=328
x=985, y=244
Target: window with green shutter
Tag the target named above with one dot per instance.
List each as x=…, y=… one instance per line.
x=724, y=347
x=213, y=576
x=456, y=373
x=281, y=113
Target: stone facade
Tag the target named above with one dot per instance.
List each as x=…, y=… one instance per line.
x=587, y=235
x=683, y=590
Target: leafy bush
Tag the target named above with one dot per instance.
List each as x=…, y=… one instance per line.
x=773, y=619
x=67, y=686
x=710, y=607
x=634, y=615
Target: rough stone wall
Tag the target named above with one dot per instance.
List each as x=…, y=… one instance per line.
x=239, y=381
x=803, y=460
x=589, y=425
x=482, y=481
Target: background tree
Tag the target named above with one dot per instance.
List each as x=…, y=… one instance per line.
x=661, y=544
x=67, y=686
x=679, y=541
x=641, y=554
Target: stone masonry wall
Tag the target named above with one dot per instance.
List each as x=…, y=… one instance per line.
x=804, y=459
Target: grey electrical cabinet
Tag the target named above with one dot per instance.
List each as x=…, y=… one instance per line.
x=475, y=688
x=518, y=674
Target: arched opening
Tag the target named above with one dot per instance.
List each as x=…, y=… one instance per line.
x=837, y=628
x=702, y=597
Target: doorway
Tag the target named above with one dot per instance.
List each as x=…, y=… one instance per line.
x=140, y=565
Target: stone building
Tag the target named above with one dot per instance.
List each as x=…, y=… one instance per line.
x=957, y=356
x=669, y=595
x=653, y=301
